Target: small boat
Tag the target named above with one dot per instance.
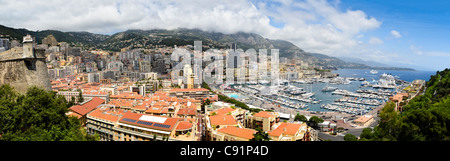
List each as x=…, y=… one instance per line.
x=373, y=72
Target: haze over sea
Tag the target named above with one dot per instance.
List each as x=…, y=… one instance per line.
x=408, y=76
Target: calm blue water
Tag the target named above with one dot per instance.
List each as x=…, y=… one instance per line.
x=328, y=98
x=408, y=76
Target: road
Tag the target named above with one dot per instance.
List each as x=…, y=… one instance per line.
x=340, y=136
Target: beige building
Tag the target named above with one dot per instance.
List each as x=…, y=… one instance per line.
x=141, y=127
x=364, y=120
x=238, y=113
x=263, y=119
x=233, y=133
x=118, y=125
x=290, y=132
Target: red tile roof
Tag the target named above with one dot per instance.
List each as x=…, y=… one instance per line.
x=87, y=107
x=187, y=111
x=157, y=109
x=286, y=129
x=222, y=111
x=184, y=125
x=188, y=90
x=239, y=132
x=107, y=114
x=222, y=120
x=264, y=114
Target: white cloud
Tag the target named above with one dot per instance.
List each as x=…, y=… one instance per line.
x=313, y=25
x=319, y=26
x=396, y=34
x=375, y=41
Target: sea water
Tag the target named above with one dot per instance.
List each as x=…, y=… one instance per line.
x=328, y=98
x=408, y=76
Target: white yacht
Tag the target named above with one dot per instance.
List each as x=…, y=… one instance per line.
x=373, y=72
x=329, y=89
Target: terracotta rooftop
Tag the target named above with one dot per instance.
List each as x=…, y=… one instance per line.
x=264, y=114
x=222, y=111
x=121, y=102
x=107, y=114
x=189, y=90
x=157, y=109
x=87, y=107
x=187, y=111
x=222, y=120
x=239, y=132
x=184, y=125
x=286, y=129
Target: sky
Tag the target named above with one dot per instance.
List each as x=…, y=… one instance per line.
x=402, y=33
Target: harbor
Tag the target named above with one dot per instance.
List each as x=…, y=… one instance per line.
x=344, y=95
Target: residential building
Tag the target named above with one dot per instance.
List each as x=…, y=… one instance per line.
x=215, y=122
x=289, y=132
x=187, y=113
x=398, y=99
x=81, y=111
x=264, y=120
x=141, y=127
x=102, y=120
x=238, y=113
x=93, y=77
x=196, y=93
x=233, y=133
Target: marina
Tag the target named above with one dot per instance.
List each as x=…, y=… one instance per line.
x=351, y=95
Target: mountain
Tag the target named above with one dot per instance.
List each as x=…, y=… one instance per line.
x=157, y=37
x=357, y=60
x=75, y=38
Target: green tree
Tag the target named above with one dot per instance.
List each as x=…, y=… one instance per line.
x=350, y=137
x=207, y=102
x=260, y=135
x=71, y=102
x=80, y=97
x=366, y=133
x=315, y=121
x=299, y=117
x=425, y=118
x=37, y=115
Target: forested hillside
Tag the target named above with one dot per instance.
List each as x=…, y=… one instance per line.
x=424, y=118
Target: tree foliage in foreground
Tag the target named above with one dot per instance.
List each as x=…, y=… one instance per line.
x=424, y=118
x=37, y=115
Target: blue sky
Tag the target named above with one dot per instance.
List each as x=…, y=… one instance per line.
x=401, y=33
x=412, y=33
x=424, y=26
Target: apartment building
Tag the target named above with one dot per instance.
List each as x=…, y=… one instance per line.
x=102, y=120
x=142, y=127
x=264, y=120
x=81, y=111
x=289, y=132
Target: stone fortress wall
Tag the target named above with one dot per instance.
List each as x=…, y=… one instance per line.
x=22, y=71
